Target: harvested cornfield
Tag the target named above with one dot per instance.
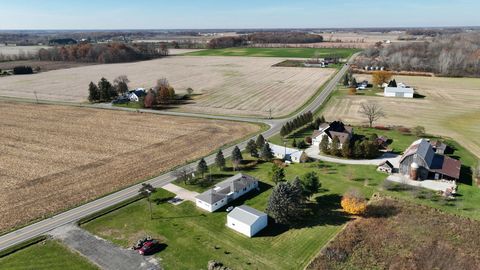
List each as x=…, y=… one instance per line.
x=403, y=235
x=55, y=157
x=450, y=107
x=223, y=85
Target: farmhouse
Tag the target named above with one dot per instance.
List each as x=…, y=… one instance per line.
x=405, y=92
x=288, y=154
x=332, y=130
x=421, y=162
x=247, y=220
x=225, y=192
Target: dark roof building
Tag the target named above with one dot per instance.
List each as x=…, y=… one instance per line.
x=421, y=162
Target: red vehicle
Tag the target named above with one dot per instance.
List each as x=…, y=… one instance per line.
x=148, y=247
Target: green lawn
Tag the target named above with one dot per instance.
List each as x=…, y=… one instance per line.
x=277, y=52
x=48, y=255
x=132, y=105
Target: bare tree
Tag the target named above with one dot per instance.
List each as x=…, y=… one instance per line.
x=183, y=174
x=372, y=111
x=121, y=84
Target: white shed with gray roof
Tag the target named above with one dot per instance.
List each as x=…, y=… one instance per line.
x=247, y=220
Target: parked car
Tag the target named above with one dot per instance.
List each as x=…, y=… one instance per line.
x=148, y=247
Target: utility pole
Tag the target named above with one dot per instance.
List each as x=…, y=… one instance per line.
x=270, y=113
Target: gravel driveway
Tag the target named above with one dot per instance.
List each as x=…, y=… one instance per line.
x=102, y=253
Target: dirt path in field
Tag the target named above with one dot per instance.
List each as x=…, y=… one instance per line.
x=102, y=253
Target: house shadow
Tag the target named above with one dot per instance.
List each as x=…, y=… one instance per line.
x=417, y=95
x=262, y=187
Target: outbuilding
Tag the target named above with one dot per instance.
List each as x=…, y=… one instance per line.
x=404, y=92
x=247, y=220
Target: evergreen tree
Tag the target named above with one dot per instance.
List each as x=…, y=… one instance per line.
x=93, y=93
x=354, y=82
x=357, y=149
x=252, y=148
x=202, y=167
x=294, y=143
x=346, y=150
x=105, y=89
x=283, y=131
x=266, y=153
x=278, y=174
x=220, y=160
x=325, y=145
x=260, y=141
x=311, y=184
x=335, y=147
x=237, y=155
x=284, y=204
x=345, y=80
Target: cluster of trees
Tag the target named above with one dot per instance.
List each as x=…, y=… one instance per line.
x=259, y=149
x=105, y=91
x=382, y=76
x=163, y=93
x=22, y=70
x=296, y=123
x=102, y=53
x=349, y=80
x=264, y=38
x=284, y=37
x=447, y=55
x=359, y=149
x=287, y=203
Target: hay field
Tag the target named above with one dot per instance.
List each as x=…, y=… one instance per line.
x=228, y=85
x=451, y=107
x=55, y=157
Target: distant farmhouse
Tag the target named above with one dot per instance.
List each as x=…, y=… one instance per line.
x=226, y=191
x=288, y=154
x=247, y=220
x=332, y=130
x=420, y=162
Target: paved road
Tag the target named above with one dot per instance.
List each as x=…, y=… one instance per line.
x=73, y=215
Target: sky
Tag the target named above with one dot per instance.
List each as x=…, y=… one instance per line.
x=224, y=14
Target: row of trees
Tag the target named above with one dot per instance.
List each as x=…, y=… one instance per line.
x=359, y=149
x=103, y=53
x=448, y=55
x=105, y=91
x=264, y=38
x=296, y=123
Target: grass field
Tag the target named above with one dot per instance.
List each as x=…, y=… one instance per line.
x=277, y=52
x=451, y=107
x=55, y=157
x=408, y=237
x=223, y=85
x=48, y=255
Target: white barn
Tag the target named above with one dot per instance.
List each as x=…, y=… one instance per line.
x=247, y=220
x=226, y=191
x=404, y=92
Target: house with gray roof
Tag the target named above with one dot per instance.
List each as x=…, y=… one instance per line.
x=247, y=220
x=420, y=162
x=226, y=191
x=288, y=154
x=337, y=129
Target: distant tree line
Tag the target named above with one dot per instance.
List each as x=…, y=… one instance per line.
x=296, y=123
x=446, y=55
x=263, y=38
x=103, y=53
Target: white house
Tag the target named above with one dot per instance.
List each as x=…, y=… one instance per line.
x=405, y=92
x=247, y=220
x=334, y=129
x=133, y=97
x=225, y=192
x=288, y=154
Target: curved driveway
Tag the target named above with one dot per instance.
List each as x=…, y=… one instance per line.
x=75, y=214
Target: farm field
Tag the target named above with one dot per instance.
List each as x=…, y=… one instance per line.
x=14, y=50
x=451, y=108
x=47, y=255
x=223, y=85
x=56, y=157
x=406, y=236
x=276, y=52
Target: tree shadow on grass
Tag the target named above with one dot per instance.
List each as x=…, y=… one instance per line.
x=159, y=201
x=466, y=175
x=179, y=217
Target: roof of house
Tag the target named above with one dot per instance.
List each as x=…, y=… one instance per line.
x=399, y=90
x=282, y=150
x=335, y=128
x=221, y=190
x=246, y=214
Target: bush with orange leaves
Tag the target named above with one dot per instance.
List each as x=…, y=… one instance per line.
x=353, y=202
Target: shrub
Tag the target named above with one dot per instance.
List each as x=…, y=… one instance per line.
x=308, y=140
x=404, y=130
x=353, y=203
x=302, y=145
x=352, y=91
